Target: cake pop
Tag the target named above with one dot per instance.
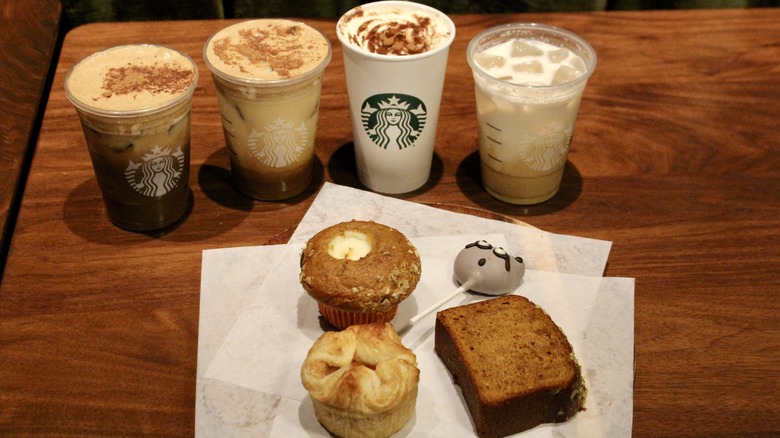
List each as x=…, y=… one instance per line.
x=482, y=268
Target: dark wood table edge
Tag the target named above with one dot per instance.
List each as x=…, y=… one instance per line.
x=9, y=224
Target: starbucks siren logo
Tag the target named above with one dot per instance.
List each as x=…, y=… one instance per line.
x=393, y=119
x=280, y=144
x=158, y=173
x=546, y=151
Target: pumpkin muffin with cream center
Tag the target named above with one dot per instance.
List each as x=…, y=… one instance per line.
x=359, y=271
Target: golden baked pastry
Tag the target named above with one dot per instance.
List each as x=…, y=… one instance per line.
x=514, y=365
x=363, y=381
x=359, y=271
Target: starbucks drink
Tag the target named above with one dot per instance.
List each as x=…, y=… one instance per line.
x=268, y=76
x=395, y=56
x=134, y=104
x=529, y=79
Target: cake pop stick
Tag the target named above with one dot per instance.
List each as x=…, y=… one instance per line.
x=482, y=268
x=463, y=288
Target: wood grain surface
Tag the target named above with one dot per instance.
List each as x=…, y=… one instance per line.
x=28, y=37
x=674, y=159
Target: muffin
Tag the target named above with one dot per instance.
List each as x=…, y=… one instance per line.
x=362, y=381
x=359, y=271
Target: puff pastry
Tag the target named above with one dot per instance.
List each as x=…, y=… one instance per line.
x=363, y=381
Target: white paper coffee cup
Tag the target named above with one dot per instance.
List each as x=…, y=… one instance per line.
x=395, y=99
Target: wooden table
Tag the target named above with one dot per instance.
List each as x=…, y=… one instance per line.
x=675, y=159
x=28, y=38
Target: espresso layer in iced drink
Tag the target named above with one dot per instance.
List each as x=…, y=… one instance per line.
x=134, y=104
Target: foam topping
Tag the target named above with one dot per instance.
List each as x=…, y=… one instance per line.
x=394, y=30
x=128, y=78
x=267, y=49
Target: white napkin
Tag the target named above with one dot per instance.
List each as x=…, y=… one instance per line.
x=257, y=323
x=542, y=251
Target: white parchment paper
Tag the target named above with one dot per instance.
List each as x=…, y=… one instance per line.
x=543, y=251
x=257, y=324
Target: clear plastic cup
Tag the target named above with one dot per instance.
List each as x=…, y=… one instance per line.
x=134, y=105
x=268, y=76
x=527, y=105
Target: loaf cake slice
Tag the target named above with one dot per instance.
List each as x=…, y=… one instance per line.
x=514, y=365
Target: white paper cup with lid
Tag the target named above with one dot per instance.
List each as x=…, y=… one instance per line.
x=395, y=57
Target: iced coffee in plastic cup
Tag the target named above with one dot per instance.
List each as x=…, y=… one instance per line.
x=134, y=105
x=395, y=57
x=529, y=79
x=268, y=77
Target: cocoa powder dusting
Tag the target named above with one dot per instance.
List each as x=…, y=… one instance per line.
x=395, y=38
x=278, y=48
x=157, y=78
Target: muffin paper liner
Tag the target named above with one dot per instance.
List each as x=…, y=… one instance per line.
x=342, y=319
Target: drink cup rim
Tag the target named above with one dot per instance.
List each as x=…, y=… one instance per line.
x=81, y=105
x=268, y=82
x=590, y=63
x=397, y=58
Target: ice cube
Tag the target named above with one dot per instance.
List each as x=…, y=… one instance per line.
x=520, y=49
x=578, y=64
x=558, y=55
x=487, y=61
x=565, y=74
x=528, y=67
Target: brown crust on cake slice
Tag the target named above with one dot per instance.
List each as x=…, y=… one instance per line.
x=515, y=367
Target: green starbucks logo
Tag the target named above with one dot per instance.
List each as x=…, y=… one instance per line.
x=395, y=120
x=157, y=173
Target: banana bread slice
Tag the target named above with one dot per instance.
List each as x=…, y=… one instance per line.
x=514, y=365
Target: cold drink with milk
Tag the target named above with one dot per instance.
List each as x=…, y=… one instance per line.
x=529, y=79
x=268, y=77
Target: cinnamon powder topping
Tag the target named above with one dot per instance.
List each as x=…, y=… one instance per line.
x=395, y=31
x=279, y=47
x=394, y=37
x=156, y=78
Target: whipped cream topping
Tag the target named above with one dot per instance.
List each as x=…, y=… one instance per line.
x=395, y=30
